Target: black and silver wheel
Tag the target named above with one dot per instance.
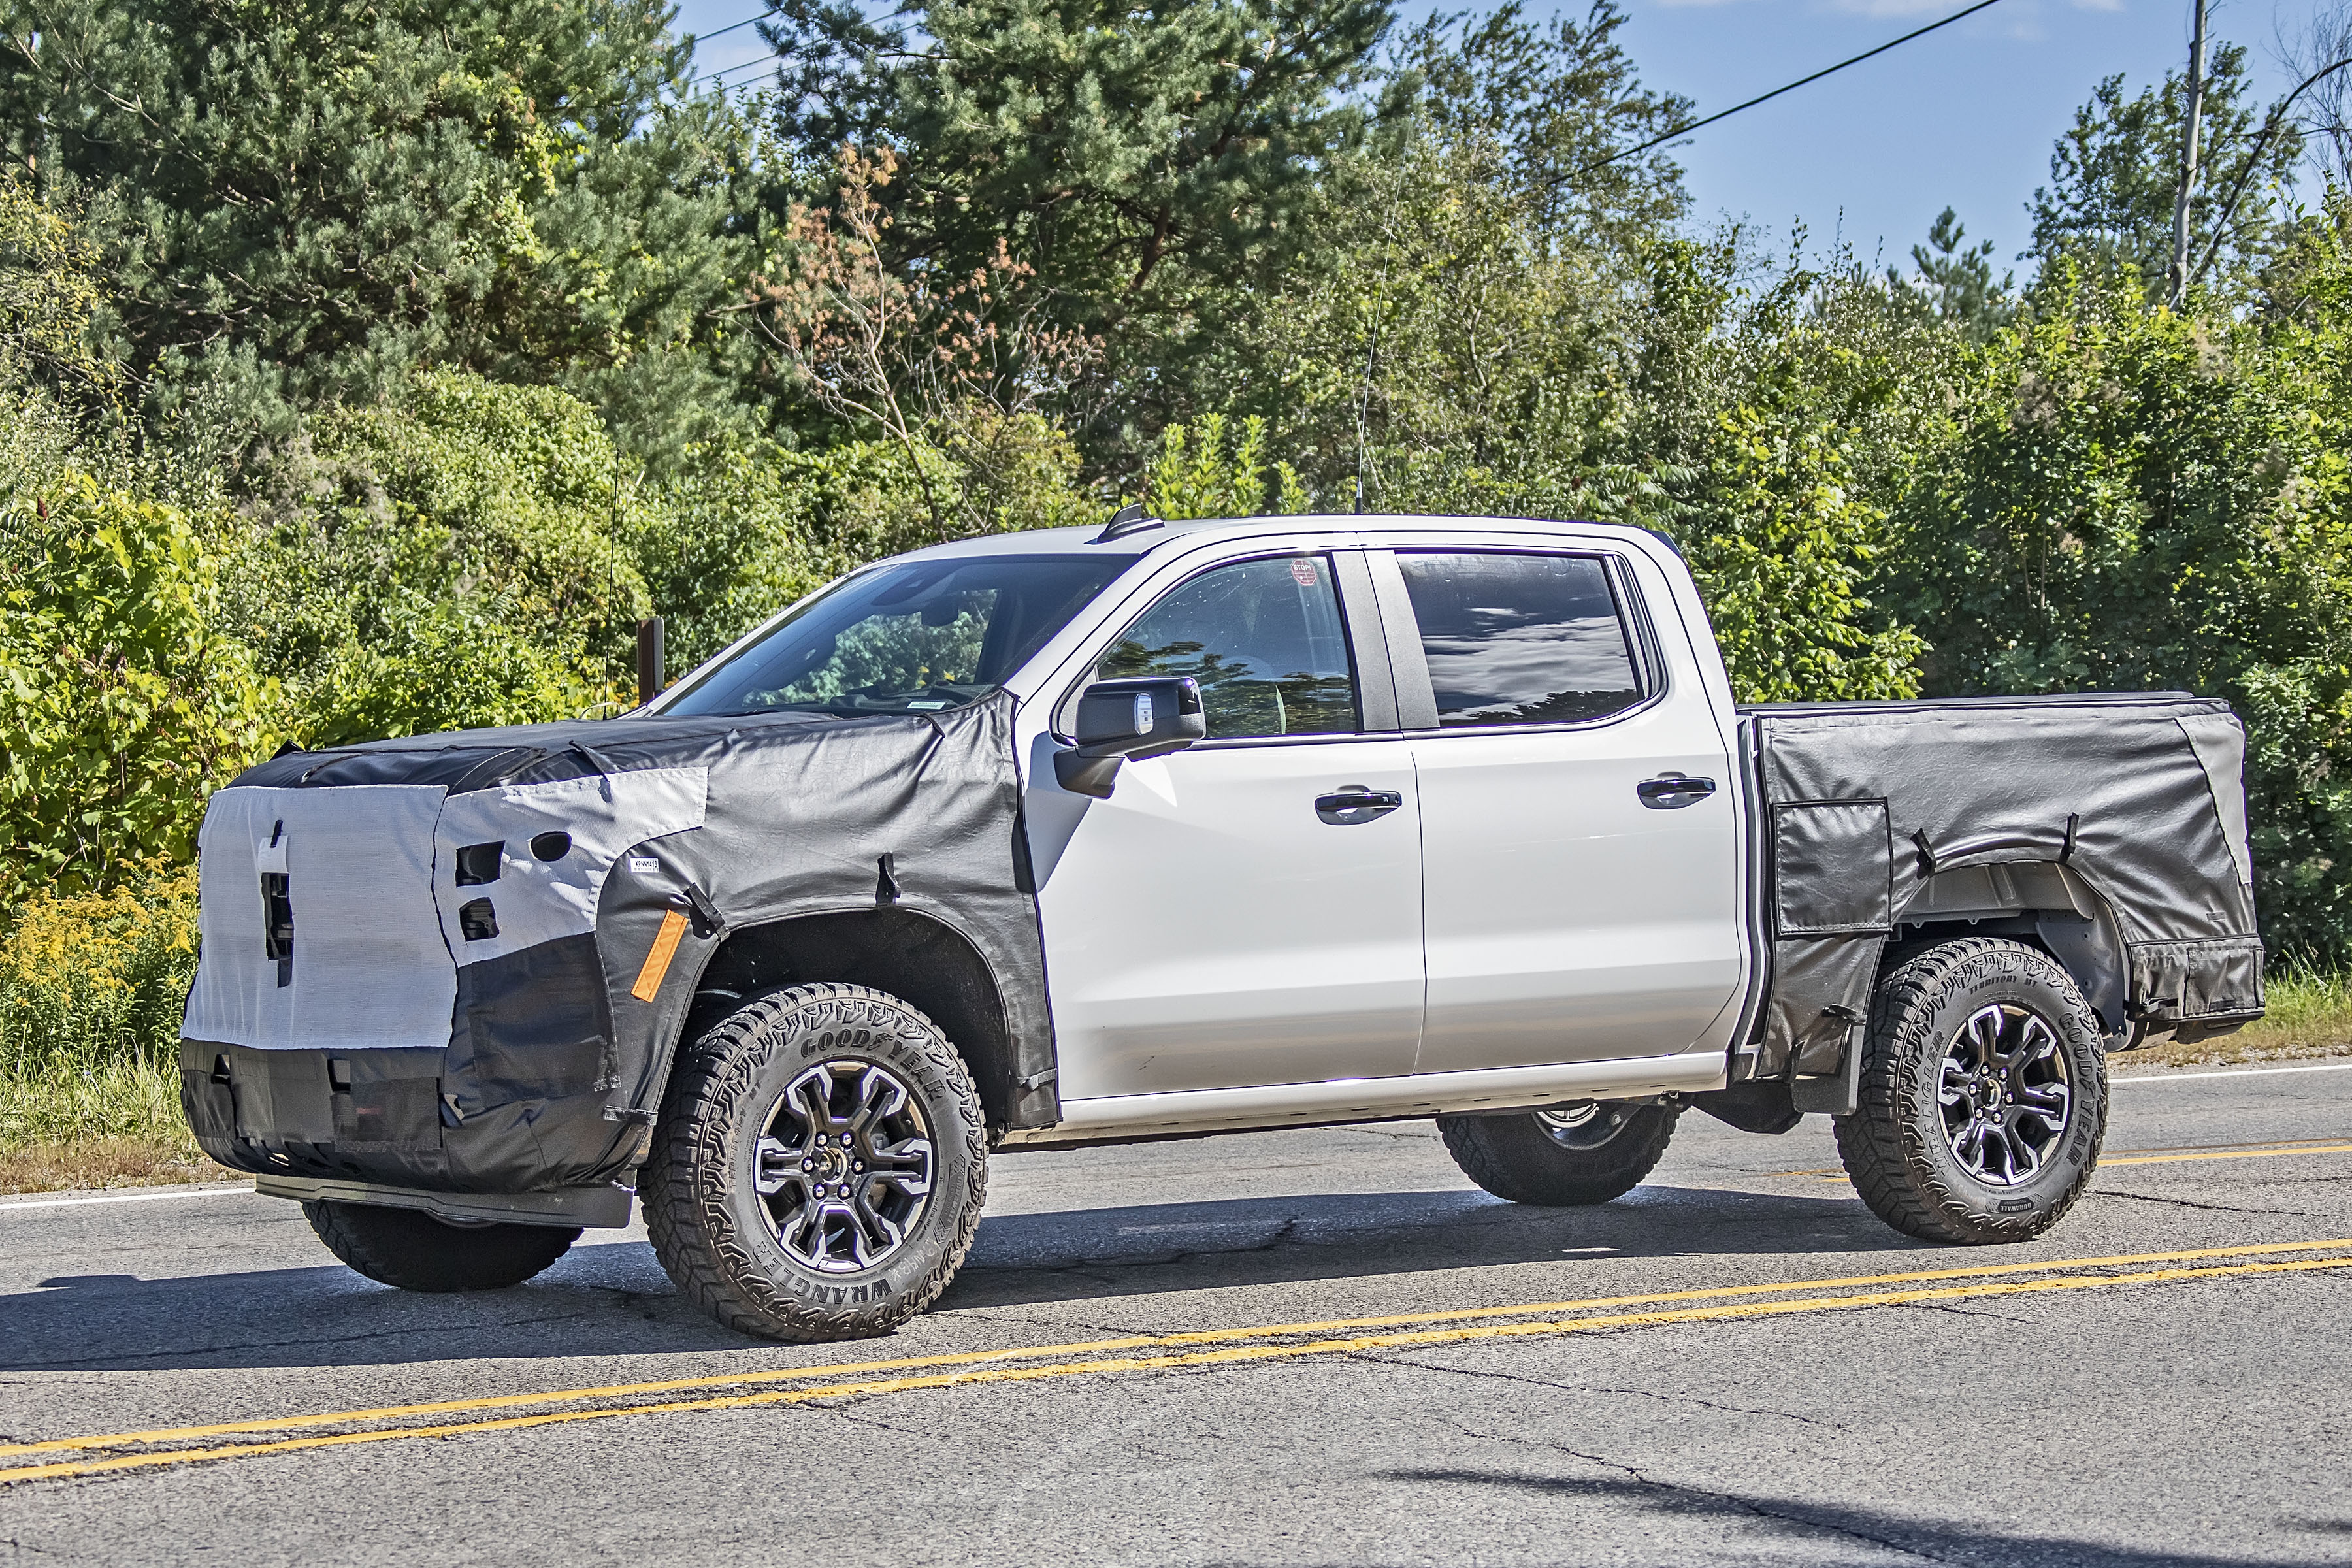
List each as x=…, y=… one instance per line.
x=1983, y=1096
x=413, y=1251
x=1585, y=1152
x=819, y=1165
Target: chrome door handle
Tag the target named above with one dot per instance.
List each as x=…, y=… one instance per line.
x=1352, y=804
x=1669, y=791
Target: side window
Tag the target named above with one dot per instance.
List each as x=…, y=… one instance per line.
x=1265, y=640
x=1520, y=639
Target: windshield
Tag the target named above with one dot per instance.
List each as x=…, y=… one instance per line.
x=914, y=638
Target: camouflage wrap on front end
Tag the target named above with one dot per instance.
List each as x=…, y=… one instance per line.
x=408, y=1036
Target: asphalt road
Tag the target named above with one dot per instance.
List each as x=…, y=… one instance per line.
x=1785, y=1388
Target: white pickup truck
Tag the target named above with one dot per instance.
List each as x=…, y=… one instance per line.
x=1169, y=829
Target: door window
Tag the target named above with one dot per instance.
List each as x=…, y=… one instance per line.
x=1264, y=638
x=1520, y=639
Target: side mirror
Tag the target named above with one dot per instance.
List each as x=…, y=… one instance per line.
x=1121, y=719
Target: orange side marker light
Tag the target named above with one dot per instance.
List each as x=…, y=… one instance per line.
x=665, y=947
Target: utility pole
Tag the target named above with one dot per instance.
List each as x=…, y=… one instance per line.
x=2176, y=281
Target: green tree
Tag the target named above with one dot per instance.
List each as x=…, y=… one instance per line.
x=1781, y=558
x=126, y=702
x=1195, y=475
x=1143, y=161
x=2114, y=175
x=1453, y=335
x=2137, y=500
x=300, y=203
x=446, y=558
x=1955, y=281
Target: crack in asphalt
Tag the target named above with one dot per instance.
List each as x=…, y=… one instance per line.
x=2191, y=1203
x=1406, y=1360
x=1961, y=1311
x=98, y=1363
x=1285, y=1232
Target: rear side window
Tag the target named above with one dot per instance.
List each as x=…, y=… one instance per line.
x=1520, y=639
x=1264, y=638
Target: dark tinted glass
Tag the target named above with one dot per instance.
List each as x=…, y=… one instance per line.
x=1264, y=638
x=915, y=637
x=1519, y=639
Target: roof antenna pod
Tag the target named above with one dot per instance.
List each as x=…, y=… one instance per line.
x=1127, y=519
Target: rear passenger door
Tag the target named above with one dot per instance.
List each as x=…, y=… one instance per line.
x=1576, y=908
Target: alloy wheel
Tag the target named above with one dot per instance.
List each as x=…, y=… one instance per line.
x=2004, y=1094
x=1585, y=1123
x=845, y=1166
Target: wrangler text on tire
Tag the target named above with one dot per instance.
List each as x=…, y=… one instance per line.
x=818, y=1166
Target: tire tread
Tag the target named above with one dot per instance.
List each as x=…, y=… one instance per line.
x=686, y=1225
x=1880, y=1145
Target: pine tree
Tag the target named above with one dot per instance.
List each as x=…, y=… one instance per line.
x=1956, y=283
x=300, y=202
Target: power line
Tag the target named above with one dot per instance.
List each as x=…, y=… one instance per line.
x=765, y=60
x=1766, y=98
x=2253, y=161
x=730, y=27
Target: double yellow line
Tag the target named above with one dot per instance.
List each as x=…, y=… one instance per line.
x=99, y=1454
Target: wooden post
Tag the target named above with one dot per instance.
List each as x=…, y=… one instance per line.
x=650, y=659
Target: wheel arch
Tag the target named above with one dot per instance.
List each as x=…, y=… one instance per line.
x=2043, y=902
x=914, y=956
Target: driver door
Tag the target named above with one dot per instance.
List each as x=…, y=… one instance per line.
x=1246, y=911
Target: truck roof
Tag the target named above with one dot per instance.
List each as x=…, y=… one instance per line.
x=1142, y=540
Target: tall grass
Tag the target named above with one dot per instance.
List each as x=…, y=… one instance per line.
x=90, y=992
x=2307, y=1013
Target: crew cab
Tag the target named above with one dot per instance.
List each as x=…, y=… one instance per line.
x=1166, y=829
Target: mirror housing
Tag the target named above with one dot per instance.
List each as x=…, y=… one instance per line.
x=1146, y=717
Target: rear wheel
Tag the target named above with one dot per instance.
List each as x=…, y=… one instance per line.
x=1586, y=1152
x=415, y=1251
x=819, y=1165
x=1983, y=1097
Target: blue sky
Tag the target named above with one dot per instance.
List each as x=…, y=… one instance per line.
x=1963, y=117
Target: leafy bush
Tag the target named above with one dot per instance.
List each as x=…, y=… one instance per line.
x=2138, y=500
x=91, y=987
x=92, y=979
x=127, y=702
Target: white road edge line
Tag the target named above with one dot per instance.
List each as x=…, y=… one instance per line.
x=2159, y=1075
x=132, y=1198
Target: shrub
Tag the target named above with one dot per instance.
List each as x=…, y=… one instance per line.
x=125, y=703
x=90, y=981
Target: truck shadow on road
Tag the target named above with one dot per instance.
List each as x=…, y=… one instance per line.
x=1790, y=1524
x=612, y=1300
x=1034, y=1258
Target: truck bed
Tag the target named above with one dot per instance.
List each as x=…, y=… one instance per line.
x=2111, y=826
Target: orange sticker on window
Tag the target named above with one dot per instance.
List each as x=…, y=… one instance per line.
x=649, y=978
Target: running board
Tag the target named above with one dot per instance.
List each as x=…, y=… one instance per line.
x=1114, y=1118
x=602, y=1208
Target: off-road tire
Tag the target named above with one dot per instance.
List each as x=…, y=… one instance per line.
x=709, y=1226
x=1518, y=1159
x=412, y=1250
x=1897, y=1146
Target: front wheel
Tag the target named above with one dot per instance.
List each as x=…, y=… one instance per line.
x=819, y=1165
x=1983, y=1098
x=415, y=1251
x=1564, y=1157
